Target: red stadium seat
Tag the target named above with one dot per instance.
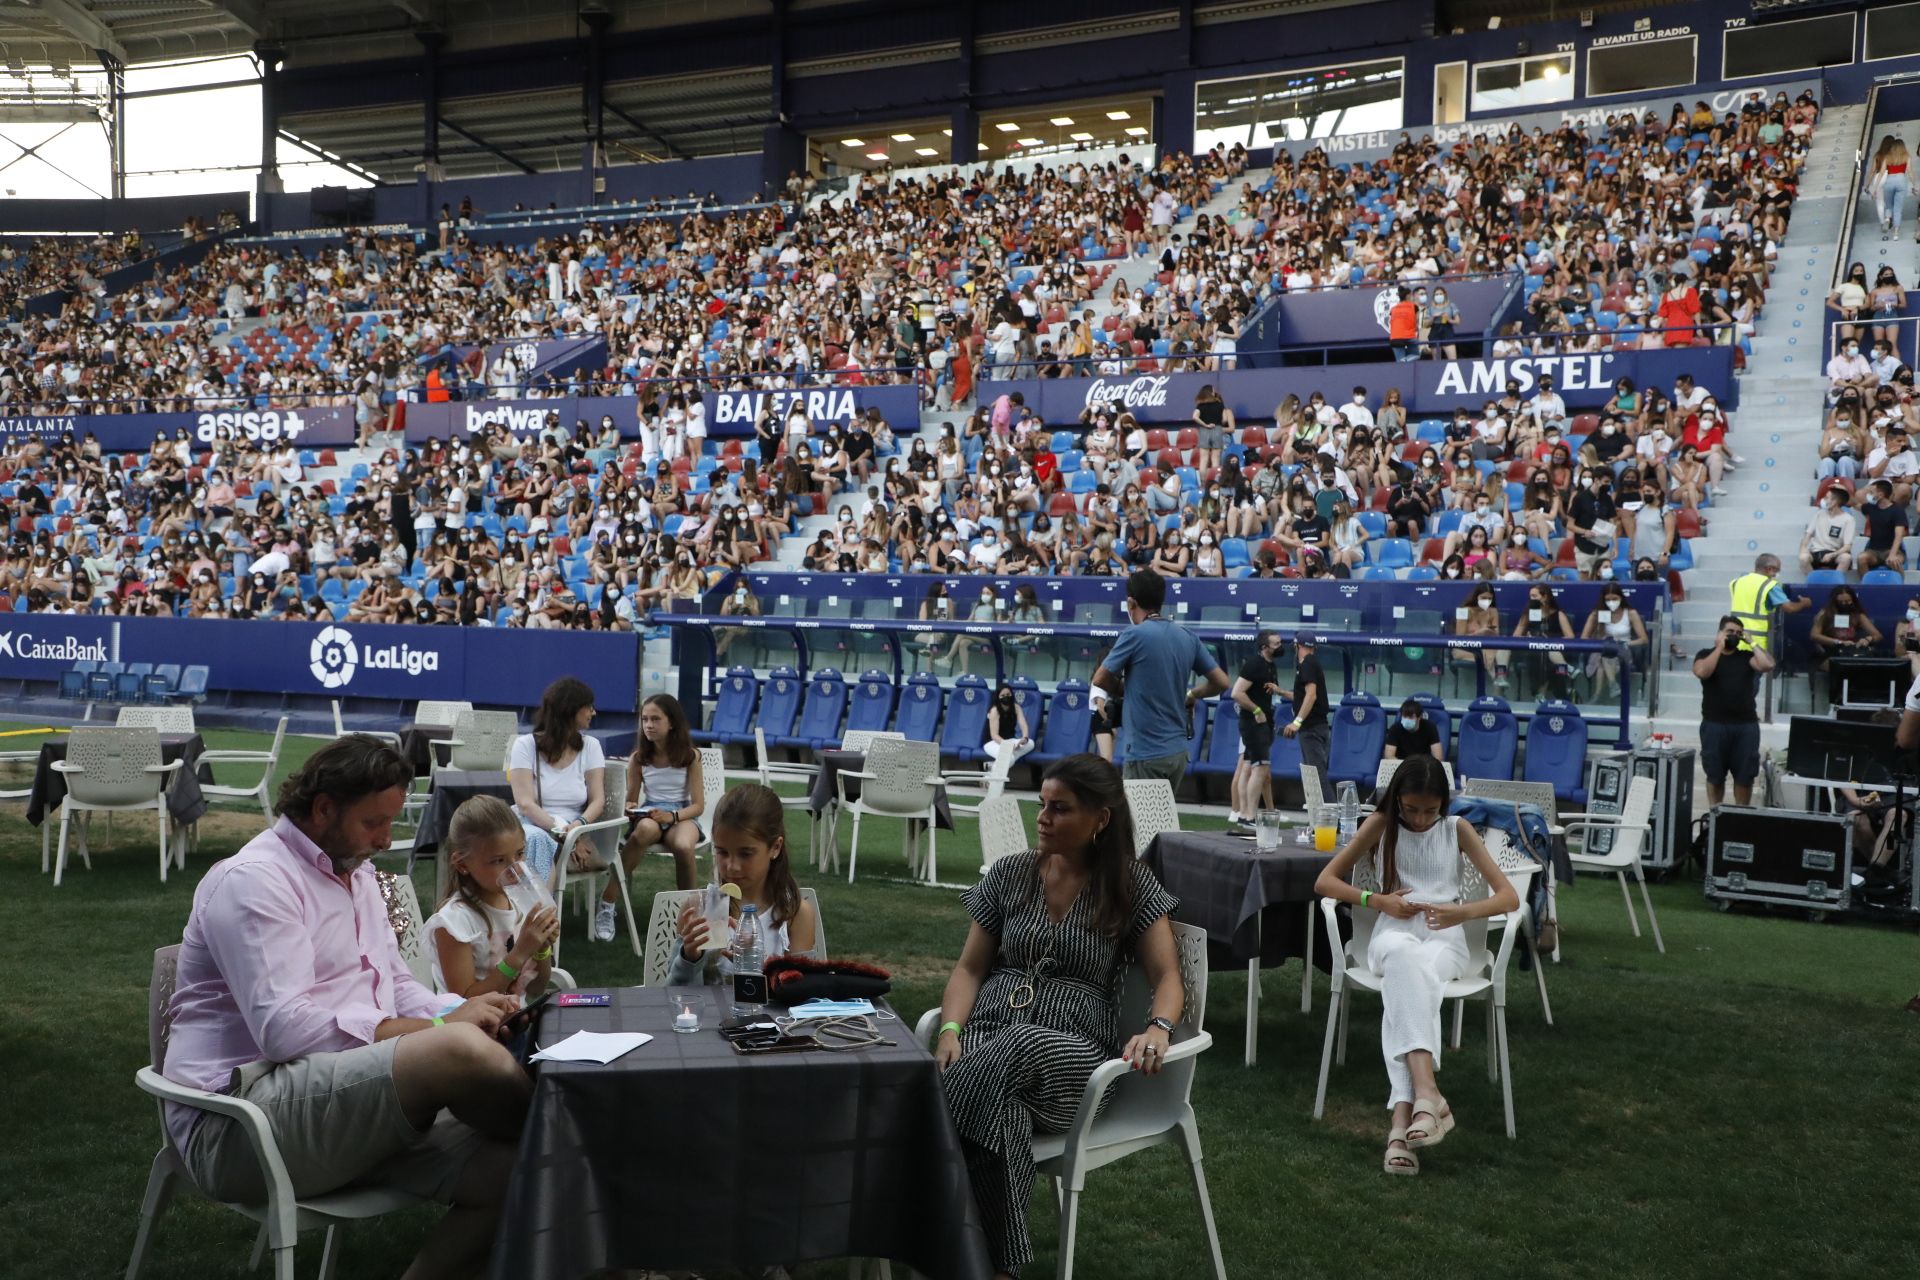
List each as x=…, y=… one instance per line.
x=1583, y=424
x=1188, y=440
x=1157, y=439
x=1431, y=550
x=1686, y=523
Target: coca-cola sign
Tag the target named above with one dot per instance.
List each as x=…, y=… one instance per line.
x=1144, y=392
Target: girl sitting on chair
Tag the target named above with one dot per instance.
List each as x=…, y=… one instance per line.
x=668, y=794
x=749, y=850
x=1416, y=850
x=480, y=941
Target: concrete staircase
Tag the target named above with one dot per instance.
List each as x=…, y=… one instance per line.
x=1776, y=427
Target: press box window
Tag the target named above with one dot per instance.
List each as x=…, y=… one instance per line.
x=1522, y=82
x=1893, y=31
x=1653, y=64
x=1799, y=45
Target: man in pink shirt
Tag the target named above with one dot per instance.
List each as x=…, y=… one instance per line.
x=292, y=994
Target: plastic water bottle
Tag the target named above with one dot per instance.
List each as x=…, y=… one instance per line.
x=1349, y=812
x=749, y=975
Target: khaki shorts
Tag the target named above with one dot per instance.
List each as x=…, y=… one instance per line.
x=337, y=1120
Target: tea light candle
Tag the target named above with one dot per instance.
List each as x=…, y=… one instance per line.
x=686, y=1020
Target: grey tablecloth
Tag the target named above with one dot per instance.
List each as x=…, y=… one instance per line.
x=185, y=802
x=684, y=1154
x=414, y=745
x=1251, y=904
x=452, y=788
x=823, y=796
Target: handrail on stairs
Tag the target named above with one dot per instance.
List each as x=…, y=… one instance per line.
x=1853, y=187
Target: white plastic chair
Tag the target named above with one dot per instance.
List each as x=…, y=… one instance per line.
x=826, y=851
x=163, y=719
x=340, y=729
x=861, y=739
x=1312, y=795
x=1541, y=796
x=978, y=785
x=1486, y=975
x=1142, y=1111
x=28, y=760
x=663, y=932
x=439, y=715
x=284, y=1215
x=1003, y=830
x=901, y=780
x=1154, y=811
x=604, y=836
x=480, y=741
x=773, y=772
x=1632, y=831
x=113, y=771
x=1517, y=864
x=267, y=760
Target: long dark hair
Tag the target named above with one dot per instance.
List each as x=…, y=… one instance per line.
x=677, y=751
x=757, y=811
x=555, y=731
x=1096, y=784
x=1418, y=775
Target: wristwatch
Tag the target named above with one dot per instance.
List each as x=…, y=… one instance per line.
x=1161, y=1023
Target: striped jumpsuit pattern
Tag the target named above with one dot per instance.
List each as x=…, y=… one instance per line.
x=1021, y=1071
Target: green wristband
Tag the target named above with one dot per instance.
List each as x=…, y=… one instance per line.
x=949, y=1026
x=507, y=970
x=439, y=1022
x=1365, y=894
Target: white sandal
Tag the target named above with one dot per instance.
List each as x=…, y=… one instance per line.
x=1403, y=1161
x=1442, y=1124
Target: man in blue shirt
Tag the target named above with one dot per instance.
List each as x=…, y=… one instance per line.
x=1154, y=657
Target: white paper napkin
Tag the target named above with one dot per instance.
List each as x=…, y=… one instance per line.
x=592, y=1046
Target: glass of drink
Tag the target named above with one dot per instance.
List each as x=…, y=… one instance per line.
x=524, y=889
x=1326, y=828
x=1266, y=830
x=713, y=909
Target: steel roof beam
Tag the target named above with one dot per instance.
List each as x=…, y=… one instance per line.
x=484, y=145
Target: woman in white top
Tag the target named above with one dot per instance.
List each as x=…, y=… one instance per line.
x=479, y=940
x=1619, y=621
x=665, y=794
x=558, y=774
x=1417, y=947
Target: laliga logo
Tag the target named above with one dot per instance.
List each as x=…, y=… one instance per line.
x=1144, y=392
x=332, y=657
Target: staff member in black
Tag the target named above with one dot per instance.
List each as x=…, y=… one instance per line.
x=1729, y=675
x=1310, y=722
x=1253, y=691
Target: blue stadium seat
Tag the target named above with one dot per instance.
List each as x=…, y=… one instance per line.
x=1392, y=553
x=1557, y=750
x=1223, y=748
x=100, y=682
x=1032, y=705
x=918, y=715
x=1489, y=737
x=163, y=682
x=1284, y=760
x=73, y=684
x=871, y=705
x=1441, y=719
x=139, y=671
x=779, y=703
x=1069, y=723
x=819, y=726
x=193, y=684
x=965, y=728
x=1359, y=740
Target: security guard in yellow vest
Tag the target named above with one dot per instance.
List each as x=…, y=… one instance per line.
x=1754, y=596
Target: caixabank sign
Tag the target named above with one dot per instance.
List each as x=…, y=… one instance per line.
x=492, y=666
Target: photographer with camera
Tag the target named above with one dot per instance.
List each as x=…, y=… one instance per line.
x=1729, y=675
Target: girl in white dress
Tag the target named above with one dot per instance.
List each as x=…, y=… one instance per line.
x=480, y=941
x=1413, y=851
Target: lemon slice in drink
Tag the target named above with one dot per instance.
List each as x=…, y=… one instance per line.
x=731, y=889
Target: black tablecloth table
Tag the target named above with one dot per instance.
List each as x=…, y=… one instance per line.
x=1259, y=909
x=415, y=745
x=685, y=1154
x=451, y=789
x=185, y=801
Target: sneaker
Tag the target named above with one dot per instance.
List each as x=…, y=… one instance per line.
x=1233, y=818
x=1718, y=492
x=603, y=922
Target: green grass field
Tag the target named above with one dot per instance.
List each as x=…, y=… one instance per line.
x=1732, y=1108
